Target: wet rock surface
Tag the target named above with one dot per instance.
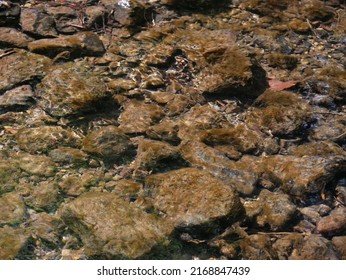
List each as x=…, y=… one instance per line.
x=172, y=129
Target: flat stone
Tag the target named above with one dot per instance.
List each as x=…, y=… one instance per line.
x=42, y=139
x=11, y=37
x=12, y=209
x=191, y=197
x=108, y=225
x=20, y=67
x=12, y=240
x=81, y=44
x=70, y=89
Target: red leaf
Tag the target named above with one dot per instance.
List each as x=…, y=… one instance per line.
x=278, y=85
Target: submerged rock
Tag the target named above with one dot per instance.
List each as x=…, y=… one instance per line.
x=150, y=154
x=43, y=195
x=108, y=142
x=274, y=210
x=12, y=240
x=279, y=112
x=243, y=179
x=20, y=66
x=12, y=209
x=9, y=173
x=110, y=226
x=84, y=43
x=45, y=138
x=190, y=197
x=138, y=116
x=36, y=165
x=339, y=243
x=70, y=89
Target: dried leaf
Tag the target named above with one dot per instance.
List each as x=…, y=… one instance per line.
x=278, y=85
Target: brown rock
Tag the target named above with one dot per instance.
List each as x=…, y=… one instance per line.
x=69, y=156
x=46, y=226
x=138, y=116
x=81, y=44
x=37, y=22
x=334, y=223
x=108, y=142
x=19, y=97
x=272, y=209
x=12, y=209
x=20, y=67
x=71, y=89
x=190, y=196
x=45, y=138
x=150, y=153
x=339, y=243
x=44, y=195
x=108, y=225
x=257, y=247
x=36, y=165
x=279, y=112
x=10, y=37
x=243, y=179
x=11, y=242
x=314, y=247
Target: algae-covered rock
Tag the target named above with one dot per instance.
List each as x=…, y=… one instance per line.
x=242, y=178
x=314, y=247
x=302, y=175
x=36, y=165
x=280, y=112
x=84, y=43
x=190, y=197
x=339, y=243
x=9, y=172
x=37, y=22
x=45, y=138
x=20, y=67
x=12, y=209
x=151, y=153
x=69, y=156
x=274, y=210
x=71, y=89
x=12, y=240
x=110, y=226
x=43, y=195
x=46, y=226
x=138, y=116
x=257, y=247
x=108, y=142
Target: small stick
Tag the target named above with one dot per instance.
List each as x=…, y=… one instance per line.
x=7, y=53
